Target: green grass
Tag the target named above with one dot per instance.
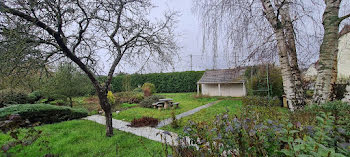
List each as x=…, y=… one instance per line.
x=187, y=102
x=126, y=105
x=84, y=138
x=208, y=115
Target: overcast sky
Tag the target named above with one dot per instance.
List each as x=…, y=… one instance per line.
x=189, y=38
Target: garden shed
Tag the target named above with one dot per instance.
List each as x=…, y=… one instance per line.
x=224, y=82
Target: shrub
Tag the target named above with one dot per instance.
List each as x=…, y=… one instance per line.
x=34, y=96
x=111, y=98
x=11, y=96
x=59, y=102
x=128, y=97
x=244, y=136
x=147, y=102
x=144, y=121
x=42, y=113
x=261, y=101
x=148, y=89
x=137, y=90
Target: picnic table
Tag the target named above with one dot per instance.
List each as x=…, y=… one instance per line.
x=165, y=103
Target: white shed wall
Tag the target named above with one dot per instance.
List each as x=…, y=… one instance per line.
x=233, y=89
x=344, y=56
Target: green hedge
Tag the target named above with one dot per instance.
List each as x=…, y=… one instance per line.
x=42, y=113
x=165, y=82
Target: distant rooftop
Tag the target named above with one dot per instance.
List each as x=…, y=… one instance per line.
x=223, y=76
x=345, y=30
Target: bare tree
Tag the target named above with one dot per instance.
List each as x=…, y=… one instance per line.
x=327, y=70
x=80, y=30
x=256, y=29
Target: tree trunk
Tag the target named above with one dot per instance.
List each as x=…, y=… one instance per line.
x=71, y=102
x=102, y=95
x=328, y=52
x=287, y=77
x=293, y=57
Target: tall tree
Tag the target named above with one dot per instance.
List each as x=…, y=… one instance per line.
x=80, y=30
x=327, y=69
x=259, y=28
x=21, y=63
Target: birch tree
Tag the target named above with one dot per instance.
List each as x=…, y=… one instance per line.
x=81, y=30
x=327, y=70
x=260, y=27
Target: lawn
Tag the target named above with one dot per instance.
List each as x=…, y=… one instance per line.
x=84, y=138
x=208, y=115
x=187, y=102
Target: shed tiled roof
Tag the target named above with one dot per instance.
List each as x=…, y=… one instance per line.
x=223, y=76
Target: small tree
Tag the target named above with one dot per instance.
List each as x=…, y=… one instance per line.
x=67, y=83
x=148, y=89
x=81, y=30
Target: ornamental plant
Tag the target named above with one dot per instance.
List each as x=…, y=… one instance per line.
x=111, y=98
x=148, y=89
x=246, y=135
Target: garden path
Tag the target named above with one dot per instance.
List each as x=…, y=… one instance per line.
x=149, y=132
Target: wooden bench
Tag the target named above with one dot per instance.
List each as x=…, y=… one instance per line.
x=155, y=105
x=175, y=105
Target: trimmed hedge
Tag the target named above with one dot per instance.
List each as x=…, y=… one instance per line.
x=43, y=113
x=175, y=82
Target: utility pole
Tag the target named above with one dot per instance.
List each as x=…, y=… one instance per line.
x=267, y=80
x=191, y=61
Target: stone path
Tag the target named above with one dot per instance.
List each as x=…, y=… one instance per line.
x=149, y=132
x=188, y=113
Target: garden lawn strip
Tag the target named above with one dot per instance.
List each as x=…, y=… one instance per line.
x=84, y=138
x=186, y=100
x=208, y=115
x=185, y=114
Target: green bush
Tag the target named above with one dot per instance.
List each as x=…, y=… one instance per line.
x=11, y=96
x=261, y=101
x=59, y=102
x=34, y=96
x=42, y=113
x=175, y=82
x=137, y=90
x=147, y=102
x=128, y=97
